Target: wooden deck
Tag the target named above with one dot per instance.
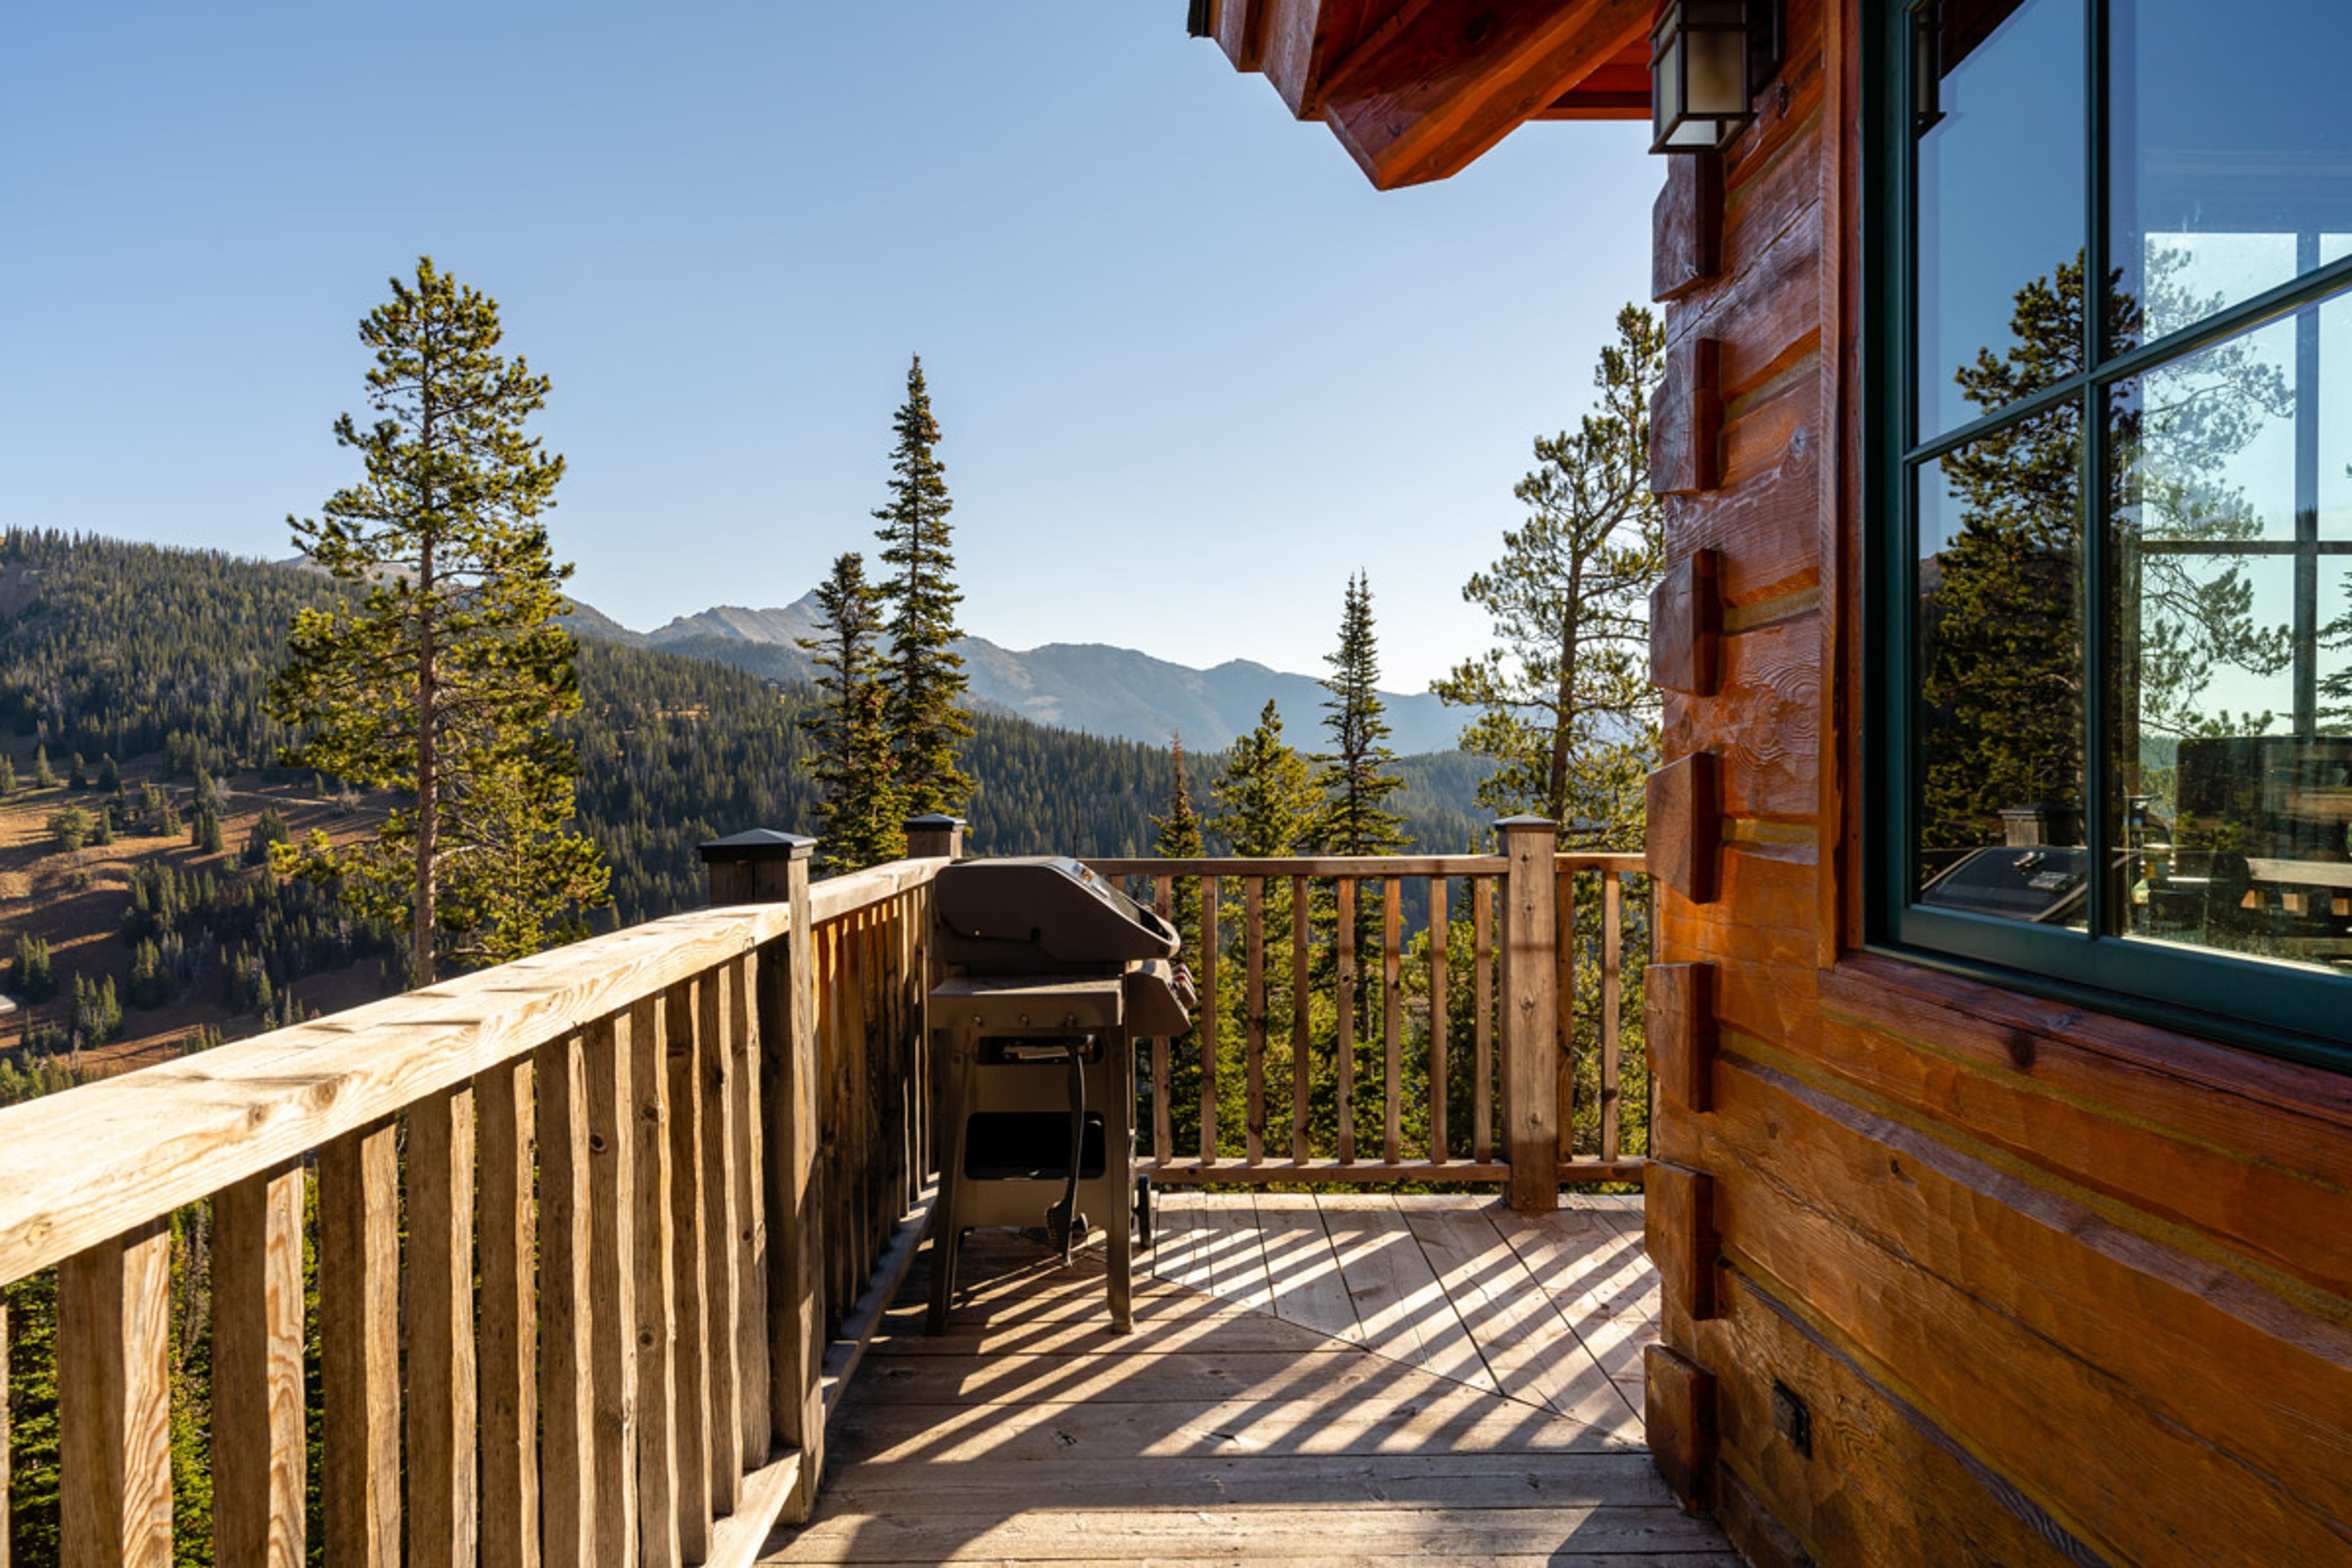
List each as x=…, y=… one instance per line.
x=1338, y=1379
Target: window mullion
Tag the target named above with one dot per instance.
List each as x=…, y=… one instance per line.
x=2100, y=820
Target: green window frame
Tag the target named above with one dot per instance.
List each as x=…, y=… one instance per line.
x=2290, y=1011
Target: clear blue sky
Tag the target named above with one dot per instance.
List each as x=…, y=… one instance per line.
x=1191, y=371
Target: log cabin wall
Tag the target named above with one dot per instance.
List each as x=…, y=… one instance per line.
x=1954, y=1275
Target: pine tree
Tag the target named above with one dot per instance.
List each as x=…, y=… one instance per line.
x=77, y=778
x=69, y=829
x=268, y=829
x=42, y=777
x=110, y=776
x=863, y=812
x=1356, y=820
x=1564, y=697
x=7, y=778
x=1177, y=836
x=32, y=978
x=1266, y=801
x=443, y=673
x=207, y=833
x=924, y=679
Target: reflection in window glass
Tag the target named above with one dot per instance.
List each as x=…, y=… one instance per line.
x=2209, y=442
x=2230, y=158
x=1998, y=708
x=2000, y=154
x=2231, y=740
x=2332, y=407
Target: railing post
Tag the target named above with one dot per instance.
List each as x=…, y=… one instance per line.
x=936, y=834
x=766, y=867
x=1531, y=1003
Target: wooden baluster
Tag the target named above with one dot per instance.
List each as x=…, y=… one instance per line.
x=508, y=1362
x=613, y=1276
x=1530, y=1014
x=652, y=1289
x=566, y=1306
x=441, y=1428
x=1208, y=1020
x=746, y=1162
x=848, y=1123
x=1302, y=1038
x=722, y=1300
x=1392, y=1019
x=1441, y=1041
x=1254, y=943
x=857, y=1229
x=841, y=1230
x=259, y=1457
x=1613, y=939
x=1344, y=1047
x=689, y=1253
x=1482, y=1034
x=912, y=1085
x=1564, y=957
x=870, y=1101
x=114, y=1461
x=789, y=1089
x=359, y=1339
x=826, y=972
x=1163, y=1140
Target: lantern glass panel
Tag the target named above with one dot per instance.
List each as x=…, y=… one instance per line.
x=1666, y=92
x=1717, y=80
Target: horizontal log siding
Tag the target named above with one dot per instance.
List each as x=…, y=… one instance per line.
x=2053, y=1287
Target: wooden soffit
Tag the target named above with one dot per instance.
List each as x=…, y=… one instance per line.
x=1416, y=90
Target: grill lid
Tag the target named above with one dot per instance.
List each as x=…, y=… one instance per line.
x=1041, y=914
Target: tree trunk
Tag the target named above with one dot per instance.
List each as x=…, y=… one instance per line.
x=1564, y=712
x=428, y=782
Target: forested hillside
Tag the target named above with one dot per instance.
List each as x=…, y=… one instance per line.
x=132, y=651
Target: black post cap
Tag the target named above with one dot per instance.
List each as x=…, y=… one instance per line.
x=759, y=844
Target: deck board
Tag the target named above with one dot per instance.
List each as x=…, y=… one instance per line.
x=1312, y=1380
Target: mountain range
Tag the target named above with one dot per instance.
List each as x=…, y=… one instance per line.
x=1088, y=687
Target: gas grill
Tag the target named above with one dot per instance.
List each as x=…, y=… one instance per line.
x=1054, y=974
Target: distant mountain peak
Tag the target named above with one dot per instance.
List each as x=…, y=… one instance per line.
x=1098, y=687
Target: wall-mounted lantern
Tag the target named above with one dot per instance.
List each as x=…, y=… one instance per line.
x=1708, y=59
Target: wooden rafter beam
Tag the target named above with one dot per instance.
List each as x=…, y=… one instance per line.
x=1442, y=80
x=1618, y=91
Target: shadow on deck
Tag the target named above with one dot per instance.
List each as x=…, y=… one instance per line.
x=1338, y=1378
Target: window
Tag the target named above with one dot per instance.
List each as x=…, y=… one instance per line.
x=2114, y=274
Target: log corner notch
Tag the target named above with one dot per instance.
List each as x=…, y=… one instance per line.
x=1686, y=419
x=1686, y=227
x=1429, y=87
x=1681, y=1033
x=1685, y=813
x=1679, y=1420
x=1686, y=625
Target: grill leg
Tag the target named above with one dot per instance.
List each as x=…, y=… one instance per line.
x=947, y=1218
x=1118, y=1156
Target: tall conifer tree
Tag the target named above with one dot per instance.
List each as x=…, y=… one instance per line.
x=445, y=674
x=863, y=812
x=923, y=681
x=1356, y=786
x=1564, y=696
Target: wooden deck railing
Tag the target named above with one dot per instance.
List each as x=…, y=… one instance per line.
x=585, y=1227
x=1420, y=1018
x=599, y=1236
